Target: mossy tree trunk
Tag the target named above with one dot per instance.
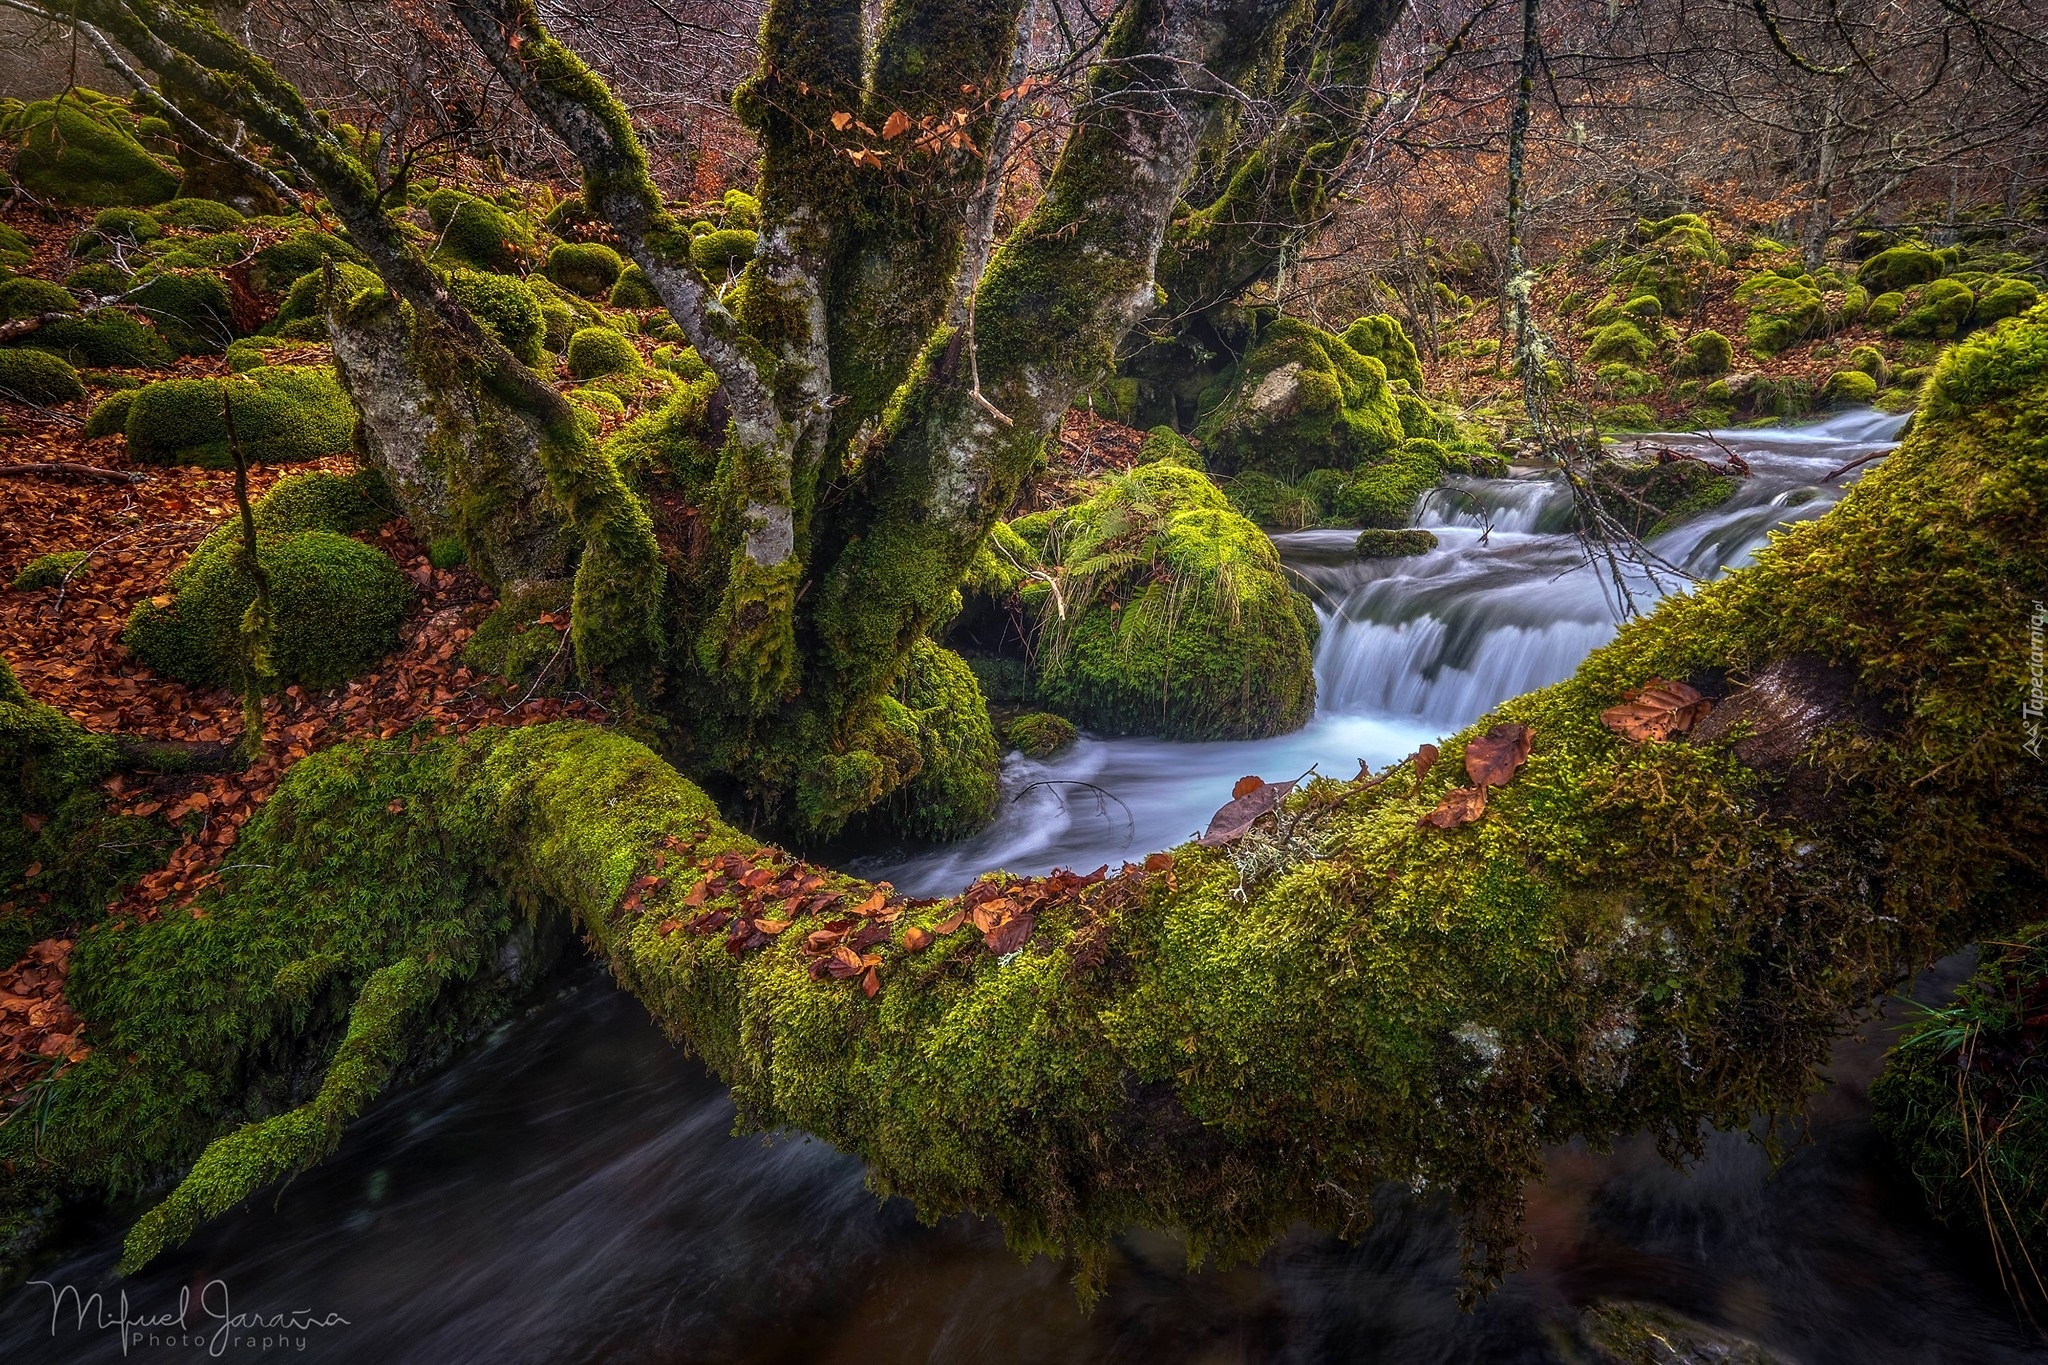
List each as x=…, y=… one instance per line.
x=1631, y=936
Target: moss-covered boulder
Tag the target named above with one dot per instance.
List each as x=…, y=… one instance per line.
x=278, y=266
x=1382, y=337
x=586, y=268
x=1178, y=619
x=1885, y=309
x=335, y=602
x=1384, y=492
x=110, y=416
x=1782, y=311
x=281, y=414
x=1649, y=497
x=47, y=571
x=1898, y=269
x=190, y=309
x=201, y=215
x=634, y=290
x=79, y=151
x=28, y=297
x=1040, y=734
x=107, y=337
x=1375, y=543
x=1621, y=341
x=1937, y=311
x=302, y=314
x=475, y=232
x=507, y=309
x=1302, y=399
x=598, y=351
x=1707, y=354
x=724, y=253
x=1847, y=388
x=37, y=377
x=955, y=790
x=2005, y=297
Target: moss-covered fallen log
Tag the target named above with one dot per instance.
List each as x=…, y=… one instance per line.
x=1632, y=936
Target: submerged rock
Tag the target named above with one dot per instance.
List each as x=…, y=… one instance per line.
x=1376, y=543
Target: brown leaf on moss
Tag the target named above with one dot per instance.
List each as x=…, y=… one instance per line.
x=989, y=914
x=1491, y=760
x=951, y=923
x=870, y=982
x=1245, y=786
x=1229, y=824
x=1159, y=862
x=916, y=940
x=1012, y=934
x=844, y=962
x=770, y=927
x=1658, y=709
x=1425, y=759
x=896, y=125
x=1460, y=806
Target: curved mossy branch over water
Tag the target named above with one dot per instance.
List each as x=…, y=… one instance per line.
x=1632, y=937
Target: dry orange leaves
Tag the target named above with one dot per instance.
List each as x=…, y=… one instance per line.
x=1659, y=709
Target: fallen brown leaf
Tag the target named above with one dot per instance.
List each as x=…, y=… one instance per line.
x=1658, y=709
x=1229, y=824
x=1491, y=760
x=1460, y=806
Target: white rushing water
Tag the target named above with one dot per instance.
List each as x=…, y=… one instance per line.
x=1411, y=649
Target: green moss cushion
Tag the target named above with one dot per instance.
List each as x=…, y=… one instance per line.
x=281, y=414
x=1179, y=619
x=586, y=268
x=596, y=351
x=108, y=337
x=37, y=377
x=202, y=215
x=80, y=153
x=1302, y=399
x=955, y=791
x=507, y=309
x=28, y=297
x=190, y=309
x=475, y=232
x=336, y=605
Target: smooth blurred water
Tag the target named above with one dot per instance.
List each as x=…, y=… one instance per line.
x=572, y=1194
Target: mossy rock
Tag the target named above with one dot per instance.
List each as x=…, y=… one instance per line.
x=107, y=337
x=281, y=414
x=738, y=209
x=1899, y=268
x=127, y=227
x=47, y=571
x=1188, y=626
x=281, y=264
x=1621, y=340
x=724, y=253
x=312, y=501
x=1383, y=494
x=1040, y=734
x=28, y=297
x=1707, y=354
x=2005, y=298
x=475, y=232
x=15, y=249
x=586, y=268
x=1302, y=399
x=1937, y=311
x=190, y=309
x=597, y=351
x=956, y=787
x=1870, y=361
x=77, y=151
x=1382, y=337
x=28, y=376
x=507, y=309
x=253, y=353
x=1782, y=311
x=1885, y=309
x=1847, y=388
x=304, y=307
x=520, y=643
x=110, y=416
x=1377, y=543
x=336, y=604
x=202, y=215
x=100, y=279
x=1270, y=502
x=634, y=290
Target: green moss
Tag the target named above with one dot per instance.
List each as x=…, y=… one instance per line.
x=278, y=266
x=110, y=416
x=1937, y=311
x=1898, y=269
x=475, y=232
x=28, y=297
x=741, y=210
x=521, y=643
x=336, y=604
x=1382, y=337
x=507, y=309
x=78, y=151
x=1848, y=388
x=317, y=501
x=955, y=789
x=281, y=414
x=1621, y=340
x=1870, y=361
x=723, y=253
x=190, y=309
x=1384, y=494
x=1178, y=618
x=1270, y=502
x=37, y=377
x=586, y=268
x=47, y=571
x=1649, y=497
x=1885, y=309
x=1707, y=353
x=130, y=227
x=107, y=337
x=99, y=280
x=2005, y=298
x=634, y=290
x=15, y=249
x=597, y=351
x=1040, y=734
x=202, y=215
x=253, y=353
x=1301, y=399
x=1782, y=312
x=1384, y=544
